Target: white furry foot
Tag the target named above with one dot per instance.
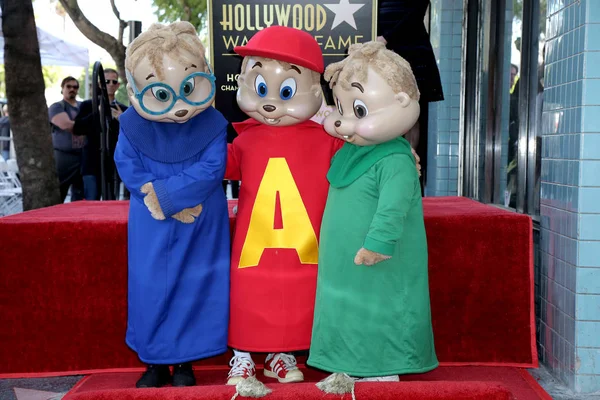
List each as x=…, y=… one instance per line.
x=337, y=384
x=251, y=387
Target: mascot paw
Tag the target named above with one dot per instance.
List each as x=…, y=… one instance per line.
x=417, y=159
x=188, y=215
x=368, y=257
x=151, y=201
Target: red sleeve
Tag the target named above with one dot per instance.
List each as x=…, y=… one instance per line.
x=232, y=173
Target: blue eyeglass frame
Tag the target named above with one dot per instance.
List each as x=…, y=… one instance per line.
x=140, y=94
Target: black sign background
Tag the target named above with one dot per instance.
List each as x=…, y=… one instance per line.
x=234, y=23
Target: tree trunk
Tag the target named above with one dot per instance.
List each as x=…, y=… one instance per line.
x=27, y=106
x=120, y=61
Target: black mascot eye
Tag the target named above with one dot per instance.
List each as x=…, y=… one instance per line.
x=188, y=87
x=161, y=94
x=360, y=109
x=287, y=90
x=260, y=85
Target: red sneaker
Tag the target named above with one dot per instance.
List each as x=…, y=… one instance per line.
x=283, y=367
x=241, y=368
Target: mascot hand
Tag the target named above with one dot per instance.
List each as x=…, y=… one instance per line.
x=151, y=201
x=368, y=257
x=188, y=215
x=417, y=159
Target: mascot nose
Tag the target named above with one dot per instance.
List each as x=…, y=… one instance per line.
x=181, y=113
x=338, y=123
x=269, y=108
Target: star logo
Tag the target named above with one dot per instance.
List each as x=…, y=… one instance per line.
x=344, y=12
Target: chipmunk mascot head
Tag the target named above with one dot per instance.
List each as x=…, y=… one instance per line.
x=376, y=95
x=168, y=77
x=279, y=83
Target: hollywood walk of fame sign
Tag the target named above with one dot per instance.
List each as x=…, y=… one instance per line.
x=335, y=25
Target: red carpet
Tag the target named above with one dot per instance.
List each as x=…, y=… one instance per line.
x=63, y=287
x=452, y=383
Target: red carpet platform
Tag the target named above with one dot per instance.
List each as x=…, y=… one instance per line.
x=64, y=269
x=451, y=383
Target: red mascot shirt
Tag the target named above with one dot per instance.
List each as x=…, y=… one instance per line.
x=275, y=244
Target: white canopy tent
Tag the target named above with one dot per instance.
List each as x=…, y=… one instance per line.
x=56, y=51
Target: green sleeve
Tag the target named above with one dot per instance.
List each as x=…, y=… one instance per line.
x=398, y=183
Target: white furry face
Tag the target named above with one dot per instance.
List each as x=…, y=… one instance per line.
x=370, y=112
x=157, y=97
x=272, y=95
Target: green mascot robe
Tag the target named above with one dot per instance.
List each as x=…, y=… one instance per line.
x=373, y=321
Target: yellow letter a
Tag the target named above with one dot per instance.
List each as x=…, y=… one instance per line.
x=297, y=232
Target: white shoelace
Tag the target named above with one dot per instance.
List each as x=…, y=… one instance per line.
x=239, y=364
x=288, y=360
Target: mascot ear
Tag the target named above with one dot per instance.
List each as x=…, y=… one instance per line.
x=403, y=98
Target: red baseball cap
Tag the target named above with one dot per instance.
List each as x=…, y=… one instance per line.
x=285, y=44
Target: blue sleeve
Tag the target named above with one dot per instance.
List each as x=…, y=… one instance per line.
x=55, y=109
x=130, y=167
x=195, y=184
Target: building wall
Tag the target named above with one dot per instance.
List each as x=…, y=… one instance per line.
x=569, y=337
x=568, y=256
x=444, y=116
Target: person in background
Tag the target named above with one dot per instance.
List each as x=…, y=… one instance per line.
x=91, y=168
x=67, y=147
x=401, y=27
x=5, y=134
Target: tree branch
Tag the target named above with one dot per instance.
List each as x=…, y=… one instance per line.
x=187, y=10
x=114, y=47
x=122, y=24
x=90, y=31
x=115, y=10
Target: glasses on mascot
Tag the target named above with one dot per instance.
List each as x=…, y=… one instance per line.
x=162, y=97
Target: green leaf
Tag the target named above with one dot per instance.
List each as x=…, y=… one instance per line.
x=182, y=10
